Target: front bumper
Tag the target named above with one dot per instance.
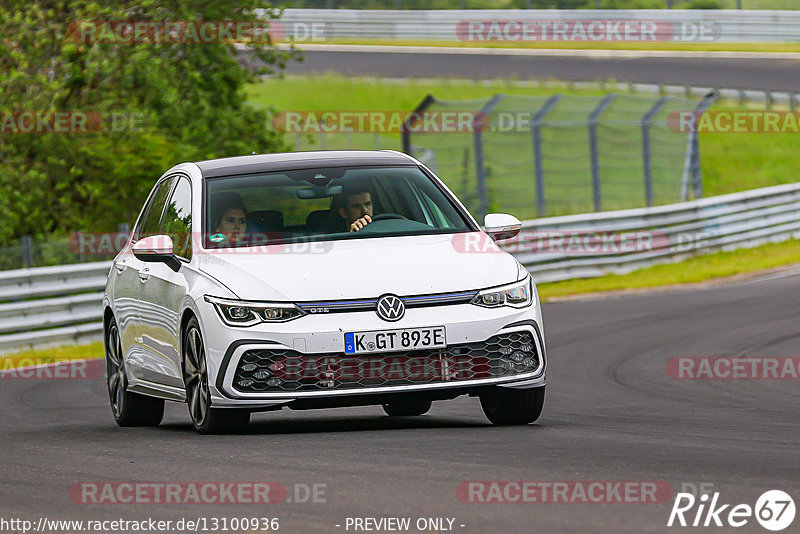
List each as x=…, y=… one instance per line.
x=323, y=336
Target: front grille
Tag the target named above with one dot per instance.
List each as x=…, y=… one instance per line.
x=275, y=370
x=418, y=301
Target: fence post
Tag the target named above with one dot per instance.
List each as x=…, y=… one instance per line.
x=648, y=166
x=792, y=101
x=697, y=174
x=411, y=119
x=536, y=130
x=27, y=250
x=479, y=123
x=691, y=167
x=593, y=119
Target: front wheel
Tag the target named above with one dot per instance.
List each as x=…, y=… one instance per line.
x=129, y=409
x=512, y=407
x=205, y=419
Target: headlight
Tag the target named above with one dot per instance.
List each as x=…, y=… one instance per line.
x=244, y=313
x=516, y=295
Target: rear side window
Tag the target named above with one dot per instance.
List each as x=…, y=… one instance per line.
x=151, y=223
x=178, y=218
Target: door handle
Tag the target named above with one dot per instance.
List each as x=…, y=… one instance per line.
x=119, y=266
x=144, y=274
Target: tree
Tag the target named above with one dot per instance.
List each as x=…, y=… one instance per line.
x=146, y=104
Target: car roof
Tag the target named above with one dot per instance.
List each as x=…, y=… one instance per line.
x=258, y=163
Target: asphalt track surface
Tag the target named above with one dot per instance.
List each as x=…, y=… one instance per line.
x=719, y=72
x=612, y=414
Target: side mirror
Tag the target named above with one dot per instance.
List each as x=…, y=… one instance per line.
x=501, y=225
x=156, y=248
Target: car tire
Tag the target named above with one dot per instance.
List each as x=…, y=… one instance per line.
x=128, y=408
x=512, y=407
x=407, y=408
x=205, y=419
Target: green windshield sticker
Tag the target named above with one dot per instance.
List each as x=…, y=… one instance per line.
x=216, y=238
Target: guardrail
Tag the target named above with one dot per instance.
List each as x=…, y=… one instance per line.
x=618, y=242
x=47, y=305
x=691, y=25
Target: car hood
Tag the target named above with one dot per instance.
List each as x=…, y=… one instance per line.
x=361, y=268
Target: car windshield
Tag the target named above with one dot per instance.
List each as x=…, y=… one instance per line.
x=324, y=203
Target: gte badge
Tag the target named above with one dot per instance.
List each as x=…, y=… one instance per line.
x=774, y=510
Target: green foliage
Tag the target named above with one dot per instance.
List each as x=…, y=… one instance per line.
x=186, y=99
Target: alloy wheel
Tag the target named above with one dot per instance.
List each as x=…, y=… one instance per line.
x=196, y=377
x=115, y=371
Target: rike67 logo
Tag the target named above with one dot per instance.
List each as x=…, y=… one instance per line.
x=774, y=510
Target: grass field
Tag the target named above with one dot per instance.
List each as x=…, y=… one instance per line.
x=730, y=162
x=581, y=45
x=702, y=268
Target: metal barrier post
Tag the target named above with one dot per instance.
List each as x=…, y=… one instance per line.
x=536, y=130
x=692, y=167
x=480, y=122
x=593, y=119
x=411, y=119
x=648, y=166
x=26, y=250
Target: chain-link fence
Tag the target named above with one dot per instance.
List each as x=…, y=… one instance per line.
x=343, y=141
x=563, y=154
x=79, y=247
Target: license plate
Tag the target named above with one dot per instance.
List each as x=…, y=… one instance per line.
x=394, y=340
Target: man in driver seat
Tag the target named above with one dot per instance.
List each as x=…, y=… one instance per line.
x=355, y=207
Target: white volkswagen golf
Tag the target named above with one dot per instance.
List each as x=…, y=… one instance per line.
x=313, y=280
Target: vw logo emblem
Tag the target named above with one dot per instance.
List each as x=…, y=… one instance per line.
x=390, y=308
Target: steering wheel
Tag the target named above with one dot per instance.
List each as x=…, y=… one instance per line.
x=387, y=216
